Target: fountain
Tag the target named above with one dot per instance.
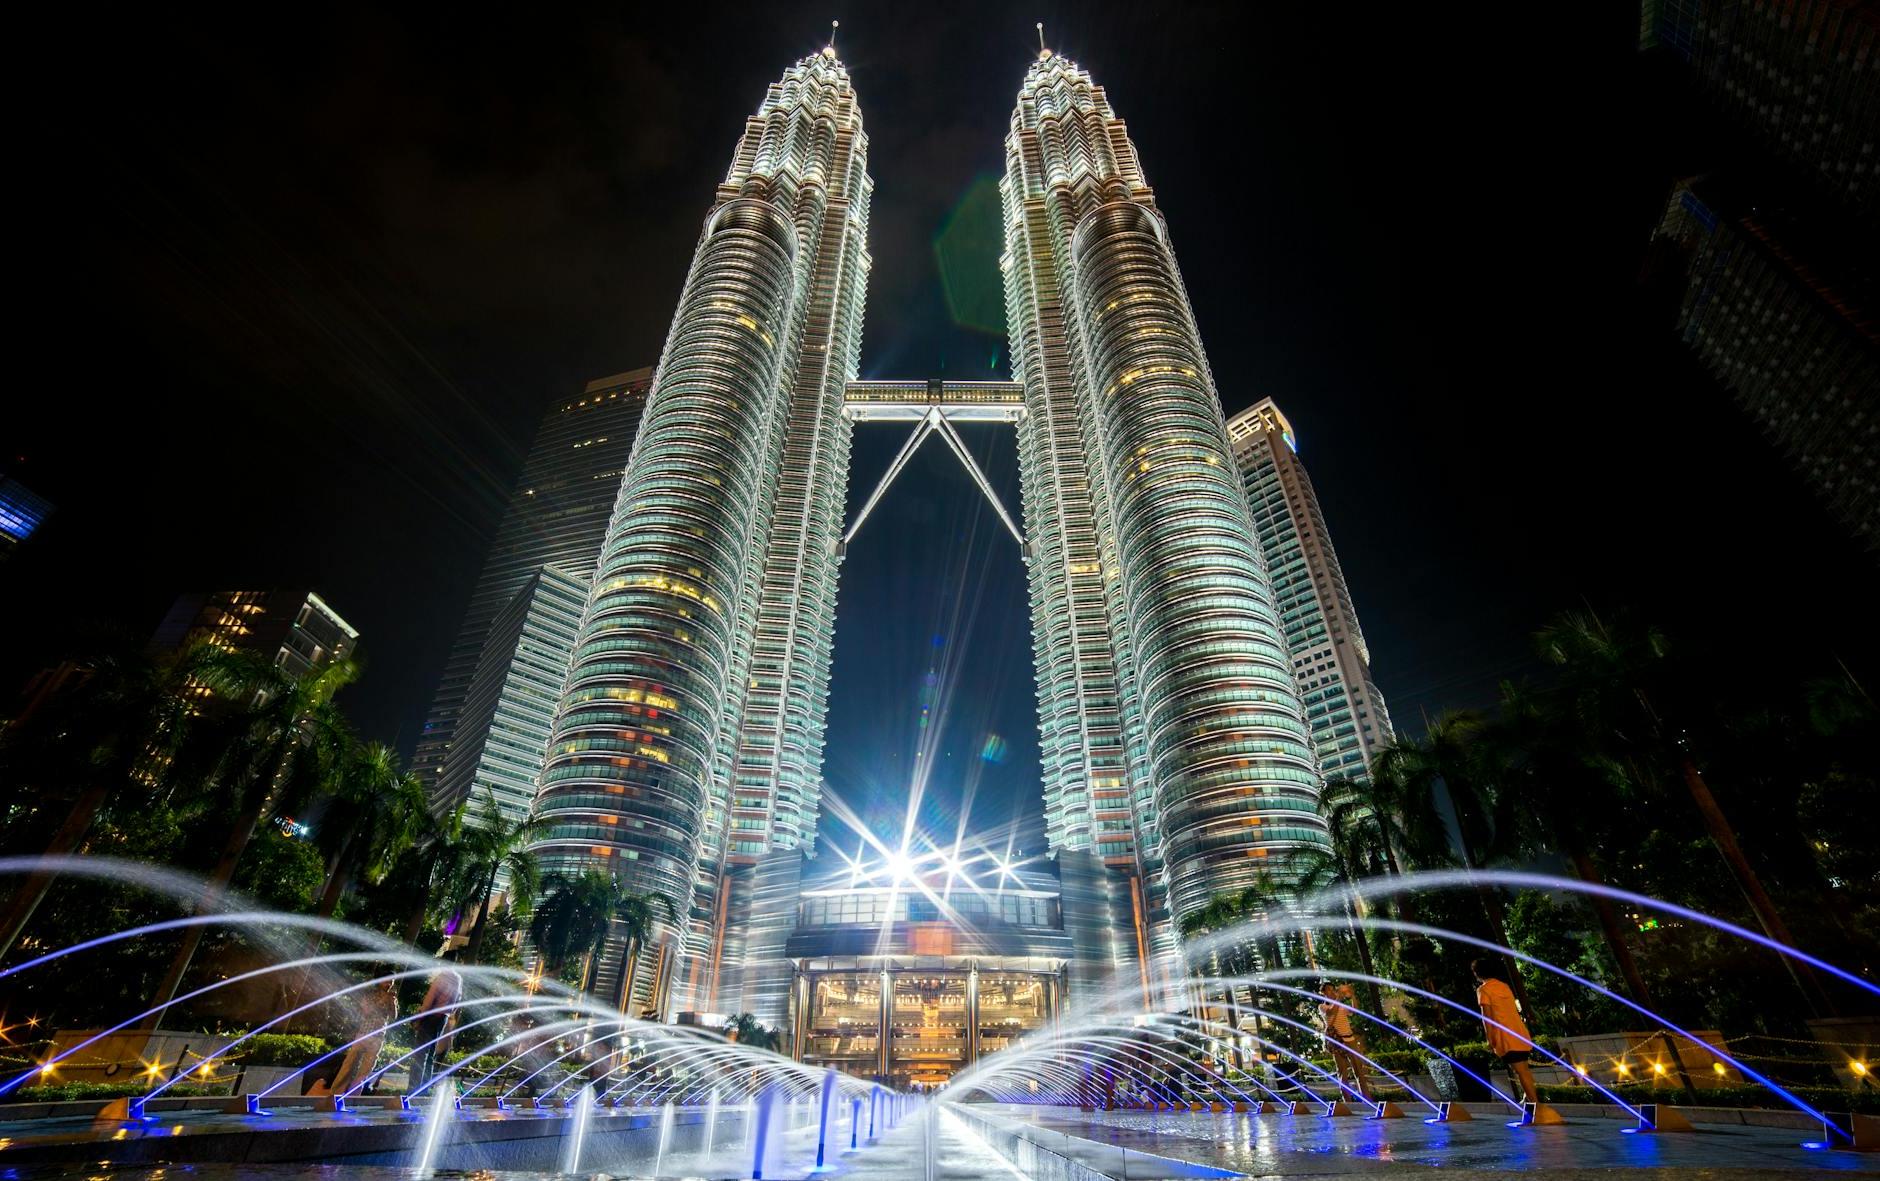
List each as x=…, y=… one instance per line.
x=436, y=1125
x=822, y=1123
x=665, y=1138
x=576, y=1138
x=766, y=1100
x=1222, y=1046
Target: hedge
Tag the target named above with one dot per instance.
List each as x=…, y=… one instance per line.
x=280, y=1049
x=1820, y=1098
x=61, y=1092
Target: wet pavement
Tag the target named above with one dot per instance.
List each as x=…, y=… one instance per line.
x=1310, y=1145
x=1051, y=1143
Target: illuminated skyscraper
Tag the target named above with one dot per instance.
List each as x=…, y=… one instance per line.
x=690, y=732
x=21, y=512
x=502, y=733
x=1330, y=659
x=1171, y=730
x=557, y=517
x=687, y=751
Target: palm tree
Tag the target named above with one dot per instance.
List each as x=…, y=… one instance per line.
x=113, y=735
x=636, y=915
x=1611, y=676
x=1242, y=957
x=287, y=751
x=582, y=912
x=1356, y=842
x=1454, y=753
x=746, y=1030
x=430, y=866
x=379, y=810
x=1566, y=789
x=494, y=847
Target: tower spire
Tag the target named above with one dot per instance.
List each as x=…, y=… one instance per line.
x=830, y=48
x=1042, y=50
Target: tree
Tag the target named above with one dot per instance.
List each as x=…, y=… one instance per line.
x=636, y=917
x=1454, y=754
x=1242, y=956
x=422, y=882
x=495, y=846
x=574, y=920
x=1611, y=675
x=1566, y=794
x=112, y=736
x=373, y=815
x=746, y=1030
x=288, y=737
x=1355, y=843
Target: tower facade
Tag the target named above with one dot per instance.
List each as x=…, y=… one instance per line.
x=1343, y=707
x=502, y=733
x=1784, y=320
x=686, y=751
x=690, y=729
x=1172, y=730
x=557, y=516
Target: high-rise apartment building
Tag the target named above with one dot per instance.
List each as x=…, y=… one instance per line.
x=556, y=517
x=1797, y=345
x=1329, y=657
x=688, y=746
x=293, y=628
x=1797, y=75
x=1775, y=252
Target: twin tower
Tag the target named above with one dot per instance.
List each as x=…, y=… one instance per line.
x=689, y=737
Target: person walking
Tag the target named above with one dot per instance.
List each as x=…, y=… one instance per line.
x=1508, y=1037
x=1343, y=1040
x=435, y=1014
x=378, y=1010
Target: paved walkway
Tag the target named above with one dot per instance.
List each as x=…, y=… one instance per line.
x=1308, y=1146
x=1065, y=1145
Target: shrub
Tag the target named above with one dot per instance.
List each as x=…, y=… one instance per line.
x=63, y=1092
x=1399, y=1061
x=1821, y=1098
x=281, y=1049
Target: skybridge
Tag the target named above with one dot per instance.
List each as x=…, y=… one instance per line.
x=934, y=406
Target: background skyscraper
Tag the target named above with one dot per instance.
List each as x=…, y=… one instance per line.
x=1797, y=75
x=502, y=733
x=1771, y=257
x=1329, y=656
x=292, y=628
x=690, y=730
x=22, y=511
x=1783, y=317
x=557, y=517
x=1153, y=619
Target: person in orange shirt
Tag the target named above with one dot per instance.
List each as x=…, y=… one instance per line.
x=1511, y=1044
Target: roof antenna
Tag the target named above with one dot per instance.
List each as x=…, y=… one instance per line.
x=1042, y=51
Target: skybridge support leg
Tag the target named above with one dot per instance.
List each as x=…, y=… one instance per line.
x=935, y=422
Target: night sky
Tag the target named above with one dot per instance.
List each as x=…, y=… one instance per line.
x=298, y=285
